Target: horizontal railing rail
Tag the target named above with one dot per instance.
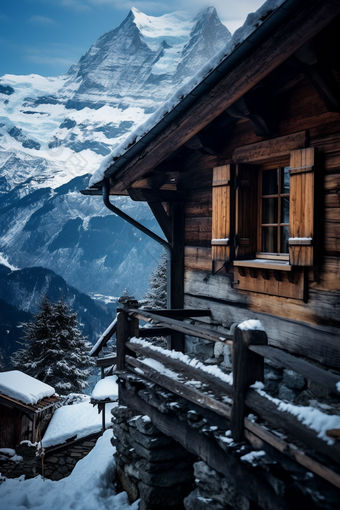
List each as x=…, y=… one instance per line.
x=231, y=401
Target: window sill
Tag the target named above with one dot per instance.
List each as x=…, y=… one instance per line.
x=274, y=265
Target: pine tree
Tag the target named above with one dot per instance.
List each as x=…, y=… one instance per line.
x=55, y=351
x=156, y=296
x=2, y=361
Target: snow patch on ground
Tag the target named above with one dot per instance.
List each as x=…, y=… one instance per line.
x=89, y=486
x=23, y=387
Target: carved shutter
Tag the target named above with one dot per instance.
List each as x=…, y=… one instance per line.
x=302, y=204
x=221, y=212
x=246, y=212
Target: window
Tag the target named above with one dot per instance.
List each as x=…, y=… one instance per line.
x=273, y=230
x=263, y=214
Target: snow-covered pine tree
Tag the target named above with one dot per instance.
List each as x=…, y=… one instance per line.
x=156, y=295
x=55, y=351
x=2, y=361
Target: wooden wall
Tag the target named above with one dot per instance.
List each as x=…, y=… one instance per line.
x=311, y=328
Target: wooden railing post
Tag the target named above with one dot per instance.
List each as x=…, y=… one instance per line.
x=122, y=336
x=247, y=369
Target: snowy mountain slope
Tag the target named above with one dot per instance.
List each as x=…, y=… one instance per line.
x=55, y=131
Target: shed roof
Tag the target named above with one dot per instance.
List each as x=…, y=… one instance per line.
x=23, y=388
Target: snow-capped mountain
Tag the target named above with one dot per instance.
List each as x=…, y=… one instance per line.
x=55, y=131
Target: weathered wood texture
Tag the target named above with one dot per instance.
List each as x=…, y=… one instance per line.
x=222, y=234
x=184, y=390
x=287, y=39
x=302, y=206
x=245, y=481
x=290, y=324
x=269, y=411
x=253, y=432
x=248, y=367
x=183, y=368
x=311, y=372
x=184, y=327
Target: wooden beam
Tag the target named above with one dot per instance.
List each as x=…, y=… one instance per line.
x=106, y=362
x=156, y=195
x=245, y=480
x=290, y=450
x=180, y=388
x=215, y=383
x=248, y=368
x=315, y=374
x=310, y=19
x=180, y=313
x=151, y=332
x=269, y=411
x=162, y=219
x=177, y=268
x=184, y=327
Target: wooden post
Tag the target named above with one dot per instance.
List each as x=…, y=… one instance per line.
x=247, y=369
x=122, y=336
x=177, y=268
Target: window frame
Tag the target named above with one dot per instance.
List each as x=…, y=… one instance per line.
x=278, y=255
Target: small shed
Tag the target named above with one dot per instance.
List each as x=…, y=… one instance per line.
x=24, y=403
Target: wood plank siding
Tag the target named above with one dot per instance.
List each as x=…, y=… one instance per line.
x=279, y=304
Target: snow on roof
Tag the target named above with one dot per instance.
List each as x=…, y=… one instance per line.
x=75, y=421
x=23, y=387
x=253, y=21
x=90, y=486
x=106, y=388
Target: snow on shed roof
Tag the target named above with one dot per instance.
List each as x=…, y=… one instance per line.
x=105, y=389
x=252, y=22
x=75, y=422
x=23, y=387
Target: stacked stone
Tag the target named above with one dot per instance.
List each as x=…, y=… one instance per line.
x=60, y=464
x=150, y=465
x=57, y=464
x=213, y=492
x=13, y=467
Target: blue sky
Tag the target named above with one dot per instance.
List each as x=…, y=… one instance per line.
x=47, y=36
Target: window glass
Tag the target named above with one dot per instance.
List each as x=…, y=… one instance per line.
x=274, y=228
x=270, y=210
x=270, y=182
x=269, y=239
x=285, y=180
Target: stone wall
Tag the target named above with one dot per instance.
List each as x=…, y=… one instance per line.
x=58, y=462
x=150, y=465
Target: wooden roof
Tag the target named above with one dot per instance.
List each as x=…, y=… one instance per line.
x=306, y=20
x=41, y=405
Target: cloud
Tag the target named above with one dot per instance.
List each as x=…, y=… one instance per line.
x=41, y=20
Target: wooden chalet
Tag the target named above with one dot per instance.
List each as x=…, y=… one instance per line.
x=243, y=177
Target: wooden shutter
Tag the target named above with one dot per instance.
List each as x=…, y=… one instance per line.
x=301, y=209
x=246, y=212
x=221, y=213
